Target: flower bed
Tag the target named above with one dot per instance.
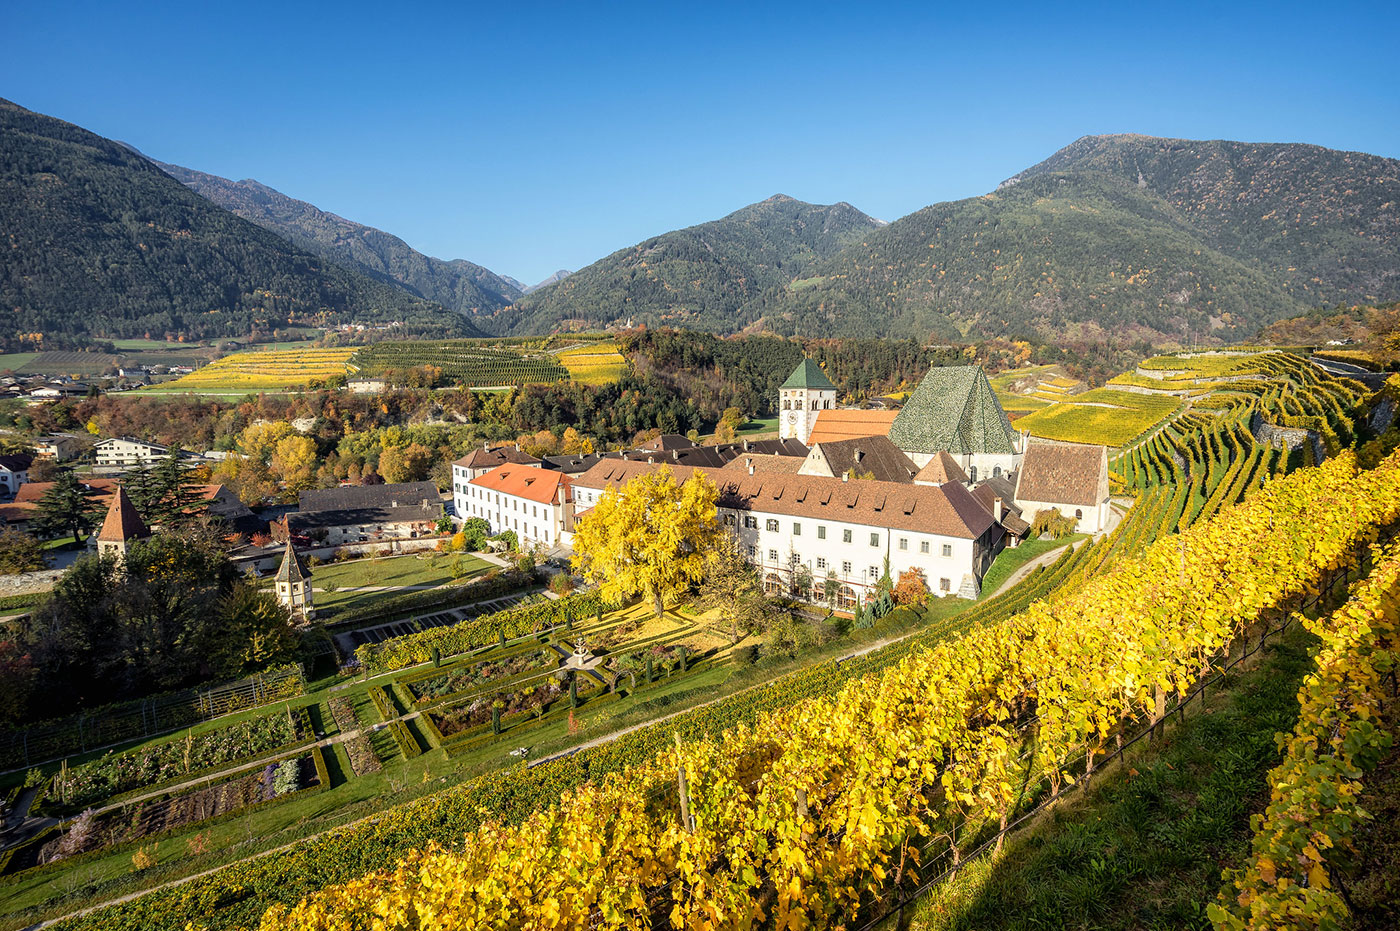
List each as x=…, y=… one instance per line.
x=472, y=675
x=363, y=759
x=150, y=765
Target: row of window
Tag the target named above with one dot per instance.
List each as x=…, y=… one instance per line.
x=847, y=535
x=824, y=405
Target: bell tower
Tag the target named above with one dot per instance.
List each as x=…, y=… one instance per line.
x=806, y=393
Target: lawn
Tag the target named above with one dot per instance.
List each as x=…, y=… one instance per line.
x=1009, y=560
x=1144, y=846
x=392, y=572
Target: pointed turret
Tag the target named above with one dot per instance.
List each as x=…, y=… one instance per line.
x=121, y=525
x=293, y=584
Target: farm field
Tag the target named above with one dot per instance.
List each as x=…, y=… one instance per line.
x=13, y=361
x=279, y=369
x=65, y=363
x=1200, y=365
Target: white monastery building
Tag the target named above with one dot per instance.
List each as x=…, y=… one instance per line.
x=533, y=502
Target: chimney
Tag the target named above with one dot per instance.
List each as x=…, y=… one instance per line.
x=676, y=455
x=746, y=445
x=996, y=510
x=860, y=454
x=750, y=463
x=846, y=475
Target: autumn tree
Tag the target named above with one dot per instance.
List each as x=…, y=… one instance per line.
x=652, y=538
x=293, y=462
x=911, y=588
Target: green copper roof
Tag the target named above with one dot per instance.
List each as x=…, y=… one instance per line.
x=953, y=409
x=808, y=375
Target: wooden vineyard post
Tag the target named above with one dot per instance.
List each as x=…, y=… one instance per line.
x=684, y=790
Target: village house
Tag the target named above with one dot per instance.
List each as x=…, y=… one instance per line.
x=60, y=447
x=128, y=451
x=14, y=472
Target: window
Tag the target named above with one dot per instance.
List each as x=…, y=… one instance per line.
x=947, y=549
x=996, y=471
x=821, y=532
x=729, y=520
x=845, y=568
x=787, y=405
x=923, y=546
x=772, y=524
x=873, y=572
x=753, y=551
x=1078, y=513
x=772, y=555
x=796, y=529
x=904, y=543
x=750, y=522
x=945, y=585
x=796, y=559
x=845, y=536
x=821, y=562
x=874, y=539
x=972, y=474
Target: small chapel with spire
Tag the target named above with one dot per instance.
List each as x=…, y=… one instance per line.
x=121, y=525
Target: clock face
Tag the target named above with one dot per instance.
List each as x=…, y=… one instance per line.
x=792, y=416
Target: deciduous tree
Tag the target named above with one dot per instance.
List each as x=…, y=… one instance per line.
x=652, y=538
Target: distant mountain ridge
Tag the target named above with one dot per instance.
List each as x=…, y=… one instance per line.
x=102, y=243
x=455, y=284
x=696, y=277
x=560, y=275
x=1121, y=235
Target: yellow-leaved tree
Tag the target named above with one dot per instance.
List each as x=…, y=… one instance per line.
x=651, y=538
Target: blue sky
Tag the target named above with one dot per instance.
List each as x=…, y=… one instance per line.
x=529, y=137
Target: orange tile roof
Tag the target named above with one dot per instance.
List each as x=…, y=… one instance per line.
x=529, y=482
x=849, y=425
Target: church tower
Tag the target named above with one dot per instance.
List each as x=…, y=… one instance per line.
x=806, y=393
x=294, y=585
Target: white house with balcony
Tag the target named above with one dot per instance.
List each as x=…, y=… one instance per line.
x=536, y=504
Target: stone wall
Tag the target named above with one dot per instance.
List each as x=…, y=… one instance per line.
x=1286, y=437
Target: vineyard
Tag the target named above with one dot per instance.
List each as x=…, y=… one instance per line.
x=594, y=364
x=1104, y=415
x=275, y=370
x=807, y=816
x=466, y=361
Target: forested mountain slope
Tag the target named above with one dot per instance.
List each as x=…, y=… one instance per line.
x=456, y=284
x=102, y=243
x=695, y=277
x=1120, y=234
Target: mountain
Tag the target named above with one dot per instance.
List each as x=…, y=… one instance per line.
x=1126, y=235
x=457, y=284
x=101, y=243
x=557, y=276
x=697, y=277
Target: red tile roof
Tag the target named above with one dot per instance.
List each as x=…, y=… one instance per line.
x=941, y=468
x=122, y=522
x=849, y=425
x=527, y=482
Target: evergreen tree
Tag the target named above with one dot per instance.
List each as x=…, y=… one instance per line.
x=68, y=507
